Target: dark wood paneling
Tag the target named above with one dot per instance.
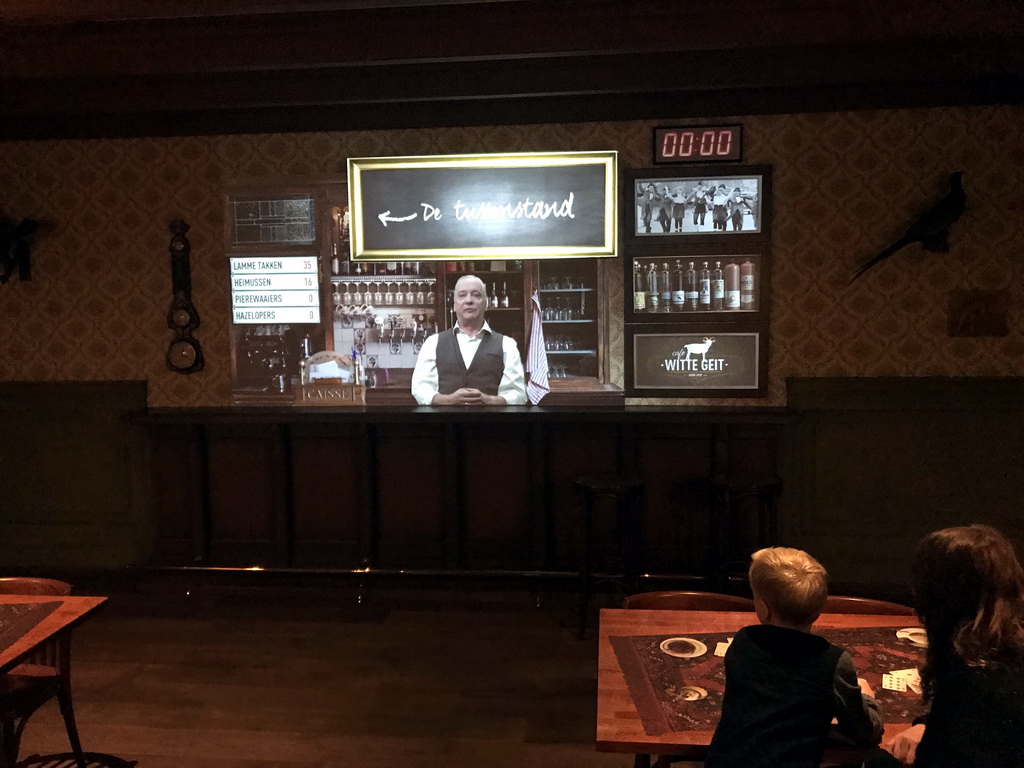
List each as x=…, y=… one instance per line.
x=676, y=532
x=496, y=500
x=445, y=490
x=178, y=483
x=246, y=478
x=574, y=450
x=328, y=498
x=74, y=490
x=412, y=497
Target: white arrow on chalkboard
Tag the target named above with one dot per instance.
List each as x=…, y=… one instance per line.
x=386, y=217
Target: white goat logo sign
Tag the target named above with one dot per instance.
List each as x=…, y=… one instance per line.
x=698, y=348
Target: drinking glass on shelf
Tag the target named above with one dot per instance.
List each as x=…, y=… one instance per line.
x=336, y=296
x=357, y=295
x=346, y=297
x=560, y=313
x=410, y=295
x=431, y=296
x=421, y=294
x=399, y=296
x=378, y=295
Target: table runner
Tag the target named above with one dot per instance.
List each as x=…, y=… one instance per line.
x=656, y=679
x=18, y=618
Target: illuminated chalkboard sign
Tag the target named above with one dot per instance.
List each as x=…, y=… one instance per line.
x=698, y=144
x=529, y=205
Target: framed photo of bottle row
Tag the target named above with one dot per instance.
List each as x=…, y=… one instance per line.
x=685, y=285
x=720, y=203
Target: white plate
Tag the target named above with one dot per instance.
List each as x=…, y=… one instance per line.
x=683, y=647
x=916, y=636
x=692, y=693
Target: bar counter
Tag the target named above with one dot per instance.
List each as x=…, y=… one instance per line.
x=422, y=489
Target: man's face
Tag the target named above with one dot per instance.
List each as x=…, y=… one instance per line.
x=470, y=301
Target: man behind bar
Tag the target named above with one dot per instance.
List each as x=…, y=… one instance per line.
x=469, y=364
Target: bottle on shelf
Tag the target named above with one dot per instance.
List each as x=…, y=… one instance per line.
x=732, y=286
x=705, y=287
x=639, y=291
x=665, y=288
x=653, y=295
x=492, y=297
x=717, y=288
x=747, y=284
x=678, y=288
x=335, y=263
x=692, y=288
x=503, y=296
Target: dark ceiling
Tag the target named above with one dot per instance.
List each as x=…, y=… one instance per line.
x=85, y=68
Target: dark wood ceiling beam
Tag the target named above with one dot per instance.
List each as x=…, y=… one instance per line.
x=609, y=74
x=668, y=107
x=483, y=32
x=68, y=11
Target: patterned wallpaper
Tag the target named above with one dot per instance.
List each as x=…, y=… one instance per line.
x=845, y=185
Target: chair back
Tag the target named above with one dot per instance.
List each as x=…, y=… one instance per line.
x=27, y=585
x=688, y=601
x=845, y=604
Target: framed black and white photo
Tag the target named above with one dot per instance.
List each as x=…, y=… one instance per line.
x=723, y=203
x=686, y=361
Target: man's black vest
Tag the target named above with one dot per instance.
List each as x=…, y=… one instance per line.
x=484, y=371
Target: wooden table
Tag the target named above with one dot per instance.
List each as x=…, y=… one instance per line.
x=619, y=727
x=71, y=611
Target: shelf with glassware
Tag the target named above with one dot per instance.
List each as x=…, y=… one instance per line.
x=383, y=318
x=570, y=293
x=506, y=285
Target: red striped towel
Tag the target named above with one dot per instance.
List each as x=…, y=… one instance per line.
x=537, y=357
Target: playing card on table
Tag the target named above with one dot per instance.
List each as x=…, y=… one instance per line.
x=911, y=677
x=893, y=683
x=721, y=648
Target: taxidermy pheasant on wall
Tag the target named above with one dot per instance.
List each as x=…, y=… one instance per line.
x=931, y=228
x=14, y=250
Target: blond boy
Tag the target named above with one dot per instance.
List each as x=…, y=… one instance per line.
x=784, y=685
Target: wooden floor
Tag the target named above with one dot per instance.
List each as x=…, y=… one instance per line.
x=180, y=675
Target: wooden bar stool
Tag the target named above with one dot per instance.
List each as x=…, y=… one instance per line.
x=627, y=493
x=733, y=502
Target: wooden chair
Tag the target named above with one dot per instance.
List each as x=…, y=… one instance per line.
x=44, y=675
x=844, y=604
x=688, y=601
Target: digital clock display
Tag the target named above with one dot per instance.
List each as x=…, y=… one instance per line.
x=698, y=144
